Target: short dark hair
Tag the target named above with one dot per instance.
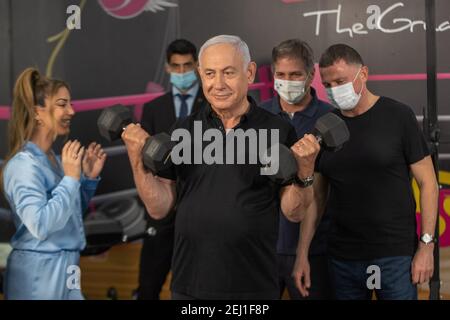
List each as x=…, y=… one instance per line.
x=340, y=52
x=181, y=46
x=296, y=49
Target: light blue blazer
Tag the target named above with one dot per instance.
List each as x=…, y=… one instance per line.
x=47, y=209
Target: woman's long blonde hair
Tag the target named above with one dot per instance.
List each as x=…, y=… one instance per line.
x=31, y=90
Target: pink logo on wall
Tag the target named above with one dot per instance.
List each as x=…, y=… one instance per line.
x=128, y=9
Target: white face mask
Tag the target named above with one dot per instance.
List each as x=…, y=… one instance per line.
x=290, y=91
x=344, y=96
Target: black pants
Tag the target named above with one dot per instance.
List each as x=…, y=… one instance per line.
x=321, y=284
x=156, y=260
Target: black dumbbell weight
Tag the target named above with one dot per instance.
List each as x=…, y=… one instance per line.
x=330, y=131
x=157, y=149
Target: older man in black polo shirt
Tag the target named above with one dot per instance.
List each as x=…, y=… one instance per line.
x=227, y=214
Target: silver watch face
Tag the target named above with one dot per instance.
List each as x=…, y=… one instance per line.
x=426, y=238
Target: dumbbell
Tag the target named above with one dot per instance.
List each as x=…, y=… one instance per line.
x=330, y=131
x=157, y=148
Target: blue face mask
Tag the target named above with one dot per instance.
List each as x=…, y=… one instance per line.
x=183, y=81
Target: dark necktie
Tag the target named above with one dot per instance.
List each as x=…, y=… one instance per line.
x=184, y=106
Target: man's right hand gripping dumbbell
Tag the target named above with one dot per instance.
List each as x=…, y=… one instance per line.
x=153, y=151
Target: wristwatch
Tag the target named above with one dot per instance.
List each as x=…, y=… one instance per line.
x=304, y=183
x=427, y=238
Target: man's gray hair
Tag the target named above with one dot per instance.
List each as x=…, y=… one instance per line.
x=235, y=41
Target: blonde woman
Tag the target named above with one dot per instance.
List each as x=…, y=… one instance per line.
x=47, y=193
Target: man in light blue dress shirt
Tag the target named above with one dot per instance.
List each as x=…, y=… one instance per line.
x=184, y=101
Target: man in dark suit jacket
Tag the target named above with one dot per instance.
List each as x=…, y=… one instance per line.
x=185, y=97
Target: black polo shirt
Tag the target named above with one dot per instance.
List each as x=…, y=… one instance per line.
x=226, y=226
